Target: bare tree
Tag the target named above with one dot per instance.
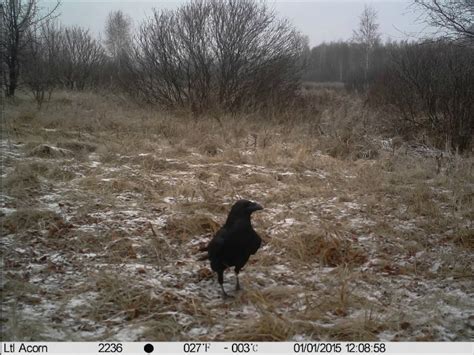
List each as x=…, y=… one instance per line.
x=155, y=66
x=18, y=18
x=40, y=70
x=118, y=45
x=257, y=54
x=454, y=17
x=223, y=54
x=80, y=56
x=367, y=35
x=118, y=37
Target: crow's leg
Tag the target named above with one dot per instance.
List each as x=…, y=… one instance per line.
x=237, y=283
x=220, y=278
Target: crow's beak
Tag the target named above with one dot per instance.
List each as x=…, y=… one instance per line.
x=256, y=207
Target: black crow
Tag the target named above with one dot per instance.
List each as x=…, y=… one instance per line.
x=233, y=244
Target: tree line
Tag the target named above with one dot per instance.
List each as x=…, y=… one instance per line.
x=206, y=54
x=428, y=84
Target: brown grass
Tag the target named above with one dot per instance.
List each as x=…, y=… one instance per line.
x=30, y=218
x=16, y=328
x=183, y=227
x=329, y=249
x=26, y=178
x=119, y=296
x=47, y=151
x=324, y=169
x=360, y=329
x=267, y=327
x=79, y=147
x=464, y=238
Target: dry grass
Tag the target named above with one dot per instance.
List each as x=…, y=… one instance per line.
x=184, y=226
x=24, y=180
x=79, y=147
x=47, y=151
x=30, y=218
x=360, y=329
x=16, y=328
x=267, y=327
x=352, y=229
x=327, y=248
x=13, y=324
x=464, y=238
x=120, y=296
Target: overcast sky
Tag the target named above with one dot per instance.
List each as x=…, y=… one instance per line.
x=329, y=20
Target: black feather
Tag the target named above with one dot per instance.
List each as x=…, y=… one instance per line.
x=233, y=244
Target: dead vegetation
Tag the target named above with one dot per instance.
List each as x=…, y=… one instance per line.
x=359, y=231
x=47, y=151
x=23, y=219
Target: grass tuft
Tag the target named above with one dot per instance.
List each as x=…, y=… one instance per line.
x=30, y=218
x=327, y=248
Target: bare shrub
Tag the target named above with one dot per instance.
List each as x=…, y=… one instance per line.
x=40, y=70
x=81, y=57
x=213, y=54
x=431, y=86
x=452, y=18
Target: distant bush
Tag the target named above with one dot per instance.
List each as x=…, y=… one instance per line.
x=216, y=54
x=62, y=57
x=81, y=58
x=431, y=86
x=40, y=67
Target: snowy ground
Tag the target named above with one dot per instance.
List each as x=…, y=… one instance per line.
x=104, y=246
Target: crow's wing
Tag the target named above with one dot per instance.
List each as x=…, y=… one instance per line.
x=255, y=244
x=216, y=245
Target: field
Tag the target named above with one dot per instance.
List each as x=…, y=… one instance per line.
x=105, y=203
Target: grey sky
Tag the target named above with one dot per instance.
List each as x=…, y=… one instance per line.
x=319, y=20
